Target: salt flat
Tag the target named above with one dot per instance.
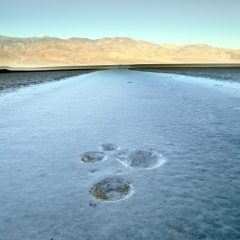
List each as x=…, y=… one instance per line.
x=192, y=122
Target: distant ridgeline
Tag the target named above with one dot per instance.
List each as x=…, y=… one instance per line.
x=48, y=51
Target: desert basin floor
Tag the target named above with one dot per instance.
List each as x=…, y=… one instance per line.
x=121, y=154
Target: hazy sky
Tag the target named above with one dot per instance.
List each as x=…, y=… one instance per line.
x=214, y=22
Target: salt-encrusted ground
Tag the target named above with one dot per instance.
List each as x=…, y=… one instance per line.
x=13, y=80
x=193, y=123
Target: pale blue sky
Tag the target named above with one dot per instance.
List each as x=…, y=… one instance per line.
x=213, y=22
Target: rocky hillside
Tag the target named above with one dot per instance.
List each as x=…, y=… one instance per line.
x=48, y=51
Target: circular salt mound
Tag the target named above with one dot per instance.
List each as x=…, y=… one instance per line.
x=92, y=157
x=141, y=158
x=109, y=147
x=111, y=189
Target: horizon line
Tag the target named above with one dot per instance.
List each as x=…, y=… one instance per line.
x=116, y=66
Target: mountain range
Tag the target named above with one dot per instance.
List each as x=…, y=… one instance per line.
x=49, y=51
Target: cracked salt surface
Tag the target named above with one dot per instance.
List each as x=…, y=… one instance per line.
x=45, y=190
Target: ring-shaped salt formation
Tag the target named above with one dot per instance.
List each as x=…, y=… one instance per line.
x=141, y=158
x=93, y=157
x=111, y=189
x=109, y=147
